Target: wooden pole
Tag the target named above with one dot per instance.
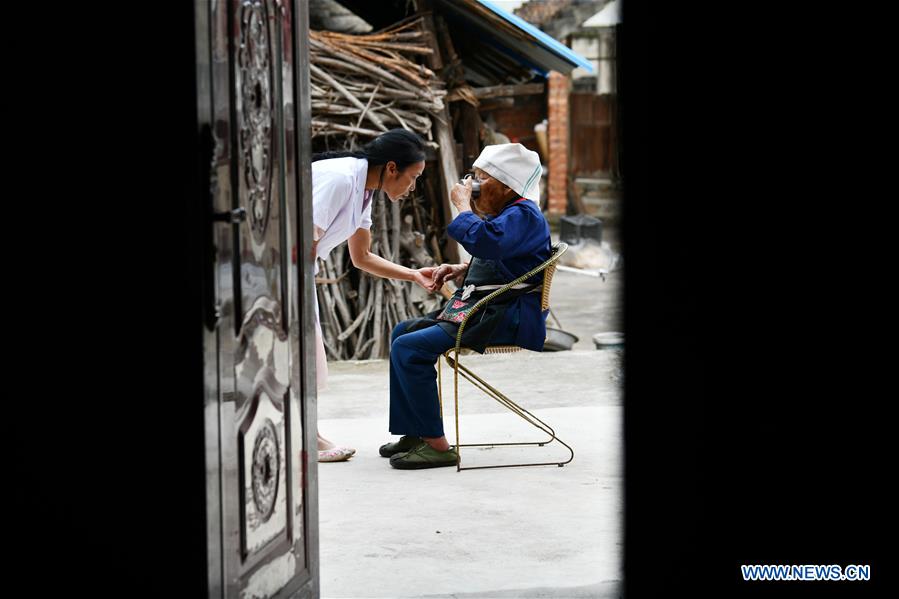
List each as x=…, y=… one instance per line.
x=447, y=145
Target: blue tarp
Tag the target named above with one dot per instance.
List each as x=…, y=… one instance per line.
x=549, y=43
x=511, y=36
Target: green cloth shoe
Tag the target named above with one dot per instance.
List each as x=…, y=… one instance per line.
x=424, y=456
x=405, y=443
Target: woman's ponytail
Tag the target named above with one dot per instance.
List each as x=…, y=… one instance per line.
x=397, y=145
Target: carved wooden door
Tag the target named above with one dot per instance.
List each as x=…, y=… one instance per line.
x=261, y=487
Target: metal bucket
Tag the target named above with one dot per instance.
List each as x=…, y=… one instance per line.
x=558, y=340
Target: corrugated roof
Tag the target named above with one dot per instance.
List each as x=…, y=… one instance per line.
x=504, y=47
x=512, y=36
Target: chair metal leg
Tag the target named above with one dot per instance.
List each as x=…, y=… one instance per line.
x=503, y=400
x=439, y=389
x=496, y=395
x=440, y=400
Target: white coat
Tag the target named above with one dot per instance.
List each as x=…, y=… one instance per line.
x=340, y=207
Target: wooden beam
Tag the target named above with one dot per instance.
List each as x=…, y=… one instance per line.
x=496, y=103
x=504, y=91
x=446, y=143
x=468, y=123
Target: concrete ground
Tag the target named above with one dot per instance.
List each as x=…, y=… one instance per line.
x=586, y=305
x=512, y=532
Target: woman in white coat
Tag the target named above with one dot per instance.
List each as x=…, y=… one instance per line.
x=343, y=185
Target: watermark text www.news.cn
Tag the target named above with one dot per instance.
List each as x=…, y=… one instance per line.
x=806, y=572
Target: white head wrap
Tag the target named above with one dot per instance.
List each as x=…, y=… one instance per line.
x=514, y=165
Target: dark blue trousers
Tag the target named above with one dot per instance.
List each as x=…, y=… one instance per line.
x=414, y=405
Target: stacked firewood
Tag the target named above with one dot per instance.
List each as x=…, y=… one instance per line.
x=363, y=85
x=358, y=311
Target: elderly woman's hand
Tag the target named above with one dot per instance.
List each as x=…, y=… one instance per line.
x=448, y=272
x=461, y=196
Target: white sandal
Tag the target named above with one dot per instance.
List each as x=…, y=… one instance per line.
x=335, y=454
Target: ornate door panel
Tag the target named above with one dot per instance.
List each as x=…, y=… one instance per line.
x=261, y=491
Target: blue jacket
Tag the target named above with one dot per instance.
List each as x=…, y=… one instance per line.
x=518, y=240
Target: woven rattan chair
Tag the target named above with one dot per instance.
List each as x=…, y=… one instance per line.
x=452, y=358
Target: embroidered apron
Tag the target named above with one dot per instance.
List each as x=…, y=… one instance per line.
x=482, y=326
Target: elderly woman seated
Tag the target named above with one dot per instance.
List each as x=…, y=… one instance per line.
x=507, y=236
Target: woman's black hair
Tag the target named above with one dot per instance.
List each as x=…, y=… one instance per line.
x=397, y=145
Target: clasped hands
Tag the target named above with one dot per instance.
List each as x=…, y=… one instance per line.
x=432, y=278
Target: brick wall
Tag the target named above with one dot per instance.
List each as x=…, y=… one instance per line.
x=558, y=143
x=517, y=122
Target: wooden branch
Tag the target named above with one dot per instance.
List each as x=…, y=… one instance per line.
x=379, y=311
x=320, y=280
x=355, y=102
x=336, y=65
x=392, y=91
x=337, y=292
x=334, y=109
x=411, y=48
x=334, y=322
x=413, y=243
x=376, y=71
x=363, y=316
x=417, y=123
x=363, y=295
x=331, y=349
x=495, y=103
x=409, y=22
x=501, y=91
x=396, y=30
x=395, y=230
x=337, y=127
x=365, y=110
x=398, y=65
x=350, y=295
x=326, y=316
x=463, y=93
x=363, y=349
x=436, y=248
x=369, y=295
x=446, y=40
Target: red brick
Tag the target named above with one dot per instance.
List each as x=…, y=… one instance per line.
x=557, y=102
